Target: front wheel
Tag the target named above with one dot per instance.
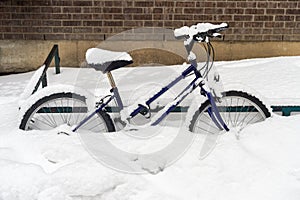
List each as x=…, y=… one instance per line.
x=238, y=109
x=64, y=108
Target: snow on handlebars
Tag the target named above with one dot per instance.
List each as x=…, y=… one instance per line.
x=200, y=31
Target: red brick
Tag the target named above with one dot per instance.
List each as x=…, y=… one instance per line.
x=275, y=11
x=51, y=23
x=51, y=9
x=183, y=17
x=61, y=16
x=5, y=3
x=292, y=25
x=253, y=37
x=274, y=24
x=253, y=24
x=74, y=36
x=29, y=9
x=267, y=31
x=113, y=23
x=296, y=31
x=242, y=30
x=206, y=4
x=20, y=3
x=173, y=24
x=287, y=5
x=122, y=17
x=213, y=11
x=89, y=10
x=71, y=23
x=34, y=36
x=5, y=16
x=257, y=31
x=272, y=37
x=82, y=30
x=31, y=22
x=103, y=30
x=108, y=16
x=226, y=4
x=243, y=18
x=234, y=11
x=158, y=17
x=62, y=29
x=282, y=31
x=292, y=37
x=94, y=37
x=144, y=3
x=11, y=22
x=243, y=4
x=185, y=4
x=157, y=10
x=263, y=18
x=61, y=3
x=112, y=10
x=82, y=16
x=193, y=10
x=54, y=36
x=72, y=10
x=5, y=29
x=92, y=23
x=254, y=11
x=133, y=10
x=226, y=18
x=82, y=3
x=41, y=29
x=293, y=11
x=164, y=3
x=153, y=23
x=284, y=18
x=263, y=4
x=142, y=17
x=13, y=36
x=133, y=23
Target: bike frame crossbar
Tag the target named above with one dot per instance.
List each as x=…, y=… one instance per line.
x=170, y=107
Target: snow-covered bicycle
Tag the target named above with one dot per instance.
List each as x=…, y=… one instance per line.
x=223, y=111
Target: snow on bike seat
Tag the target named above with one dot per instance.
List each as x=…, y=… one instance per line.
x=105, y=61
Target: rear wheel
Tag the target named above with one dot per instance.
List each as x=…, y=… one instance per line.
x=64, y=108
x=238, y=109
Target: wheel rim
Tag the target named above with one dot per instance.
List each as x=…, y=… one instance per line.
x=64, y=110
x=236, y=111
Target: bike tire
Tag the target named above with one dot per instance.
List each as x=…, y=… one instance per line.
x=238, y=109
x=64, y=108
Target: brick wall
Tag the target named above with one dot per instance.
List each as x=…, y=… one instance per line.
x=99, y=19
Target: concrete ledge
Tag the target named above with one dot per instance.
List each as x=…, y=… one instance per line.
x=26, y=55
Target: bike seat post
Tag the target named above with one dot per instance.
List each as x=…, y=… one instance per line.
x=111, y=80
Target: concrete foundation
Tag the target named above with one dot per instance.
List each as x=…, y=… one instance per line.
x=26, y=55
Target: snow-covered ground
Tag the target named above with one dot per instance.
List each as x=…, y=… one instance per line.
x=263, y=164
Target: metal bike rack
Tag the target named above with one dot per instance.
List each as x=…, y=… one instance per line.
x=43, y=78
x=286, y=110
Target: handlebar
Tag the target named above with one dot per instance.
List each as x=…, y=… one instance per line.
x=200, y=32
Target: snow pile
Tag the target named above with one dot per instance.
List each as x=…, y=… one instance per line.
x=32, y=83
x=263, y=164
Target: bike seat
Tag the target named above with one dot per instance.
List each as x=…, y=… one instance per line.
x=105, y=61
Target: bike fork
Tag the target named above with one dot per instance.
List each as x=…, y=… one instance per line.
x=214, y=113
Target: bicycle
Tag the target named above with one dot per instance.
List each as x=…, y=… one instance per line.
x=218, y=113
